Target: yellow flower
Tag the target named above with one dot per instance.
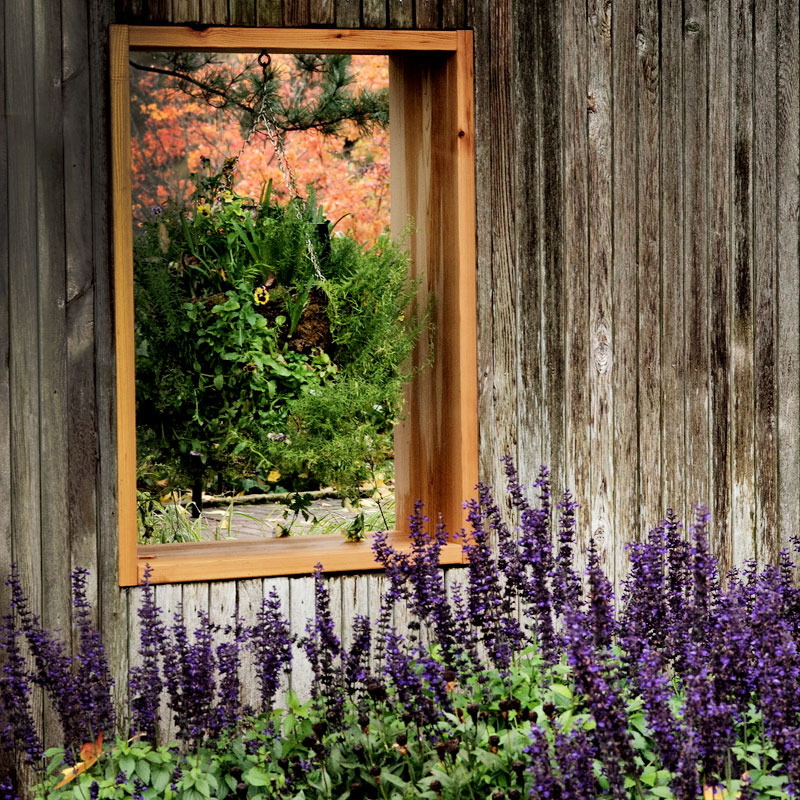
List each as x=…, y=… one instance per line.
x=273, y=476
x=204, y=209
x=251, y=367
x=261, y=296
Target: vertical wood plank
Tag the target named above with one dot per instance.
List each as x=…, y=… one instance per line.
x=214, y=12
x=52, y=339
x=185, y=11
x=6, y=555
x=355, y=602
x=523, y=231
x=719, y=255
x=742, y=404
x=194, y=600
x=375, y=13
x=695, y=80
x=133, y=631
x=112, y=602
x=672, y=351
x=334, y=584
x=296, y=12
x=648, y=311
x=625, y=290
x=301, y=597
x=496, y=236
x=242, y=12
x=321, y=12
x=577, y=424
x=169, y=598
x=23, y=306
x=427, y=14
x=270, y=13
x=222, y=612
x=282, y=588
x=787, y=164
x=348, y=13
x=160, y=10
x=81, y=496
x=550, y=246
x=601, y=319
x=764, y=258
x=249, y=595
x=453, y=14
x=401, y=13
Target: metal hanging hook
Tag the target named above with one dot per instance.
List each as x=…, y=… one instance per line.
x=264, y=60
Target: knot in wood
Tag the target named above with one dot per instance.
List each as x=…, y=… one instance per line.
x=601, y=349
x=641, y=43
x=692, y=25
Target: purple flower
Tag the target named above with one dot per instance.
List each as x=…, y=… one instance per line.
x=544, y=785
x=144, y=681
x=95, y=682
x=271, y=644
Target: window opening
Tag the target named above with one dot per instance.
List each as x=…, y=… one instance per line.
x=433, y=184
x=204, y=395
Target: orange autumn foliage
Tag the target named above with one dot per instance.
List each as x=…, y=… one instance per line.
x=171, y=132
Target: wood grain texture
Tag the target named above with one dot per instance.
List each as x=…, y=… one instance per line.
x=536, y=285
x=787, y=163
x=112, y=603
x=764, y=260
x=249, y=596
x=242, y=12
x=81, y=425
x=214, y=12
x=625, y=283
x=577, y=425
x=742, y=403
x=453, y=14
x=719, y=260
x=550, y=245
x=301, y=609
x=321, y=12
x=648, y=246
x=695, y=254
x=7, y=764
x=673, y=465
x=123, y=306
x=185, y=11
x=288, y=40
x=427, y=13
x=296, y=12
x=601, y=319
x=24, y=457
x=348, y=13
x=401, y=13
x=269, y=13
x=374, y=13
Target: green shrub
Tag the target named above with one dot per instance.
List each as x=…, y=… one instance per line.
x=252, y=368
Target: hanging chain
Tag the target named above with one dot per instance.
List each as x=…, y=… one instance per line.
x=266, y=121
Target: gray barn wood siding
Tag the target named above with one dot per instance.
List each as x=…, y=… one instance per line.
x=638, y=186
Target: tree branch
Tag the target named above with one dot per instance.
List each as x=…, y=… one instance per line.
x=189, y=79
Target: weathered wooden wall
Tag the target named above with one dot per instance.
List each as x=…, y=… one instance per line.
x=638, y=184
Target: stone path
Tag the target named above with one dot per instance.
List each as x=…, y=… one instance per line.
x=262, y=520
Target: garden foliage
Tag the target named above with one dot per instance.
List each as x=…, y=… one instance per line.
x=527, y=679
x=250, y=367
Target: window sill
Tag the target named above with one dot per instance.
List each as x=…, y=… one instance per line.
x=264, y=558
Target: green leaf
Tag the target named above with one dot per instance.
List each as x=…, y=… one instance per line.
x=561, y=694
x=256, y=776
x=143, y=770
x=219, y=382
x=661, y=791
x=160, y=779
x=128, y=764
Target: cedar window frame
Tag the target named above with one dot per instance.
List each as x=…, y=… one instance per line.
x=433, y=183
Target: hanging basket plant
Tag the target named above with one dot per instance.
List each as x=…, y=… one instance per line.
x=270, y=349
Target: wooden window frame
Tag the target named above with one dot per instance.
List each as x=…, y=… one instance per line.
x=432, y=183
